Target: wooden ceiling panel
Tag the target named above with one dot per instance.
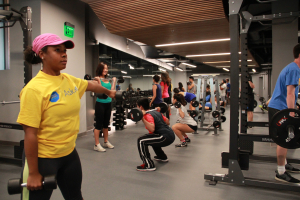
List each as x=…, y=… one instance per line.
x=155, y=22
x=124, y=15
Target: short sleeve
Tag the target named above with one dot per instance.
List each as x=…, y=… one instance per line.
x=81, y=84
x=164, y=117
x=149, y=118
x=292, y=78
x=31, y=102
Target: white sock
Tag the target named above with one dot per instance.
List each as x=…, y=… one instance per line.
x=285, y=161
x=280, y=169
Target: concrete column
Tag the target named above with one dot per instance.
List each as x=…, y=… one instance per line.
x=284, y=38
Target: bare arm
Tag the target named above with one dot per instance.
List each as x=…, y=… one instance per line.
x=251, y=84
x=113, y=86
x=149, y=126
x=190, y=86
x=94, y=86
x=167, y=121
x=162, y=89
x=181, y=113
x=154, y=93
x=34, y=181
x=290, y=97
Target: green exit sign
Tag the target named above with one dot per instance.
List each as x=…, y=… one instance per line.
x=69, y=29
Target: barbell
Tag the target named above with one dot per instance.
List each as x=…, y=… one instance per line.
x=136, y=114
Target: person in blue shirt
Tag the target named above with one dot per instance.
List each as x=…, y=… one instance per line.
x=189, y=97
x=228, y=90
x=118, y=86
x=285, y=96
x=103, y=109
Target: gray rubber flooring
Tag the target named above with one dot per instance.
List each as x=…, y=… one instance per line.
x=112, y=175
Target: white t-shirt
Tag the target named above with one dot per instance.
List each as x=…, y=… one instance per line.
x=187, y=119
x=223, y=92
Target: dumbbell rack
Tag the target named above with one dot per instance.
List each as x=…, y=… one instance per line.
x=119, y=119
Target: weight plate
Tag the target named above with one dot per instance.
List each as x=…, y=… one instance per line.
x=163, y=107
x=215, y=114
x=177, y=104
x=223, y=118
x=278, y=131
x=195, y=104
x=136, y=115
x=216, y=124
x=222, y=110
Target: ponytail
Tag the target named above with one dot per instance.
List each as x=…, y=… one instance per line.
x=180, y=98
x=31, y=57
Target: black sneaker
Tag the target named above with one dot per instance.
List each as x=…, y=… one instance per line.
x=291, y=169
x=286, y=177
x=187, y=140
x=143, y=168
x=161, y=159
x=181, y=144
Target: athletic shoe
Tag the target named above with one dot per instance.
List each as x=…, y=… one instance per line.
x=286, y=177
x=181, y=144
x=98, y=147
x=160, y=159
x=108, y=145
x=291, y=169
x=143, y=168
x=187, y=140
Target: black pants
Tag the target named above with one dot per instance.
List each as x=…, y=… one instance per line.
x=250, y=103
x=102, y=115
x=271, y=113
x=68, y=174
x=167, y=100
x=157, y=142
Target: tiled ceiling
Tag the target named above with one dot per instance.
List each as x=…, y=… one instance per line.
x=154, y=22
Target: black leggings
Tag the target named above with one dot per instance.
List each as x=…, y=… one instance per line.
x=157, y=142
x=68, y=174
x=102, y=115
x=167, y=100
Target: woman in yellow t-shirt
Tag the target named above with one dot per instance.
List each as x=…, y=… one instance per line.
x=49, y=114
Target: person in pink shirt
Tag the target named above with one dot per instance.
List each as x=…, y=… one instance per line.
x=165, y=84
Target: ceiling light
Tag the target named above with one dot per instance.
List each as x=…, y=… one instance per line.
x=213, y=54
x=151, y=75
x=194, y=42
x=189, y=65
x=251, y=65
x=140, y=68
x=205, y=74
x=266, y=64
x=226, y=69
x=179, y=69
x=253, y=70
x=126, y=76
x=130, y=66
x=123, y=72
x=222, y=62
x=170, y=64
x=161, y=69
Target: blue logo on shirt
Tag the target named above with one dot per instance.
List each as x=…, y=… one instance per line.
x=54, y=97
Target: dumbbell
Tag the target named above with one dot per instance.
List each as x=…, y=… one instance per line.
x=136, y=114
x=264, y=106
x=194, y=104
x=120, y=95
x=193, y=113
x=120, y=78
x=15, y=186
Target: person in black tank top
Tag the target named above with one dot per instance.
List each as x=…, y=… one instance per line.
x=157, y=96
x=160, y=135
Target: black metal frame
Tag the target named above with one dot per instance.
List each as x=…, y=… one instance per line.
x=235, y=174
x=24, y=16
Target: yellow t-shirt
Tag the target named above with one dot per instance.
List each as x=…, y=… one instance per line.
x=52, y=104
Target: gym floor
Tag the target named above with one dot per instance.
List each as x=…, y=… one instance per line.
x=112, y=175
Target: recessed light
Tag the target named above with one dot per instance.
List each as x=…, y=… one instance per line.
x=193, y=42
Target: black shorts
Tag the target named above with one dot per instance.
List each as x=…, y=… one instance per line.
x=193, y=127
x=68, y=174
x=250, y=103
x=271, y=113
x=102, y=115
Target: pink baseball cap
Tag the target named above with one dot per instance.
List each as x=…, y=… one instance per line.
x=47, y=39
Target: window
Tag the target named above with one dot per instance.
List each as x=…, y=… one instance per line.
x=4, y=45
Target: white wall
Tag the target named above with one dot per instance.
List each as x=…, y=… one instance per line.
x=12, y=80
x=54, y=14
